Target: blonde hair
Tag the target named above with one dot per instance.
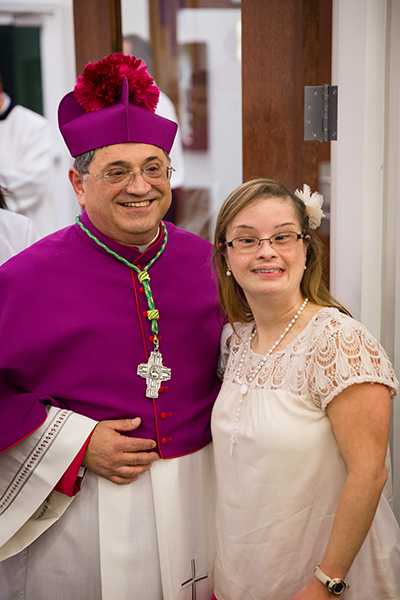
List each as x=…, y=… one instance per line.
x=231, y=295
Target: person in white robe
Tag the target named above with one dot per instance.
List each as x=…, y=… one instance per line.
x=26, y=162
x=16, y=232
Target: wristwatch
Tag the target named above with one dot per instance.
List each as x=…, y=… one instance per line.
x=335, y=586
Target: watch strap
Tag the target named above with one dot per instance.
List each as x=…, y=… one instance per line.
x=328, y=580
x=321, y=576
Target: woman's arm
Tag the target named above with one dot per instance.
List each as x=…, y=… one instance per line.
x=360, y=419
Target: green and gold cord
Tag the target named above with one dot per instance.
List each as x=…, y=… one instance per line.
x=142, y=274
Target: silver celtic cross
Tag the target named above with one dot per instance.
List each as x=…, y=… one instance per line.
x=154, y=372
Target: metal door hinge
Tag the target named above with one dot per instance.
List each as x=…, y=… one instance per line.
x=320, y=112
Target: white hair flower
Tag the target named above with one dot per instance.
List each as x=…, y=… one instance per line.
x=313, y=204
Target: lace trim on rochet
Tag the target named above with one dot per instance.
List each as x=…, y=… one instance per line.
x=332, y=352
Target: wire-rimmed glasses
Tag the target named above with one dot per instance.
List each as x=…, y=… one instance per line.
x=153, y=174
x=249, y=243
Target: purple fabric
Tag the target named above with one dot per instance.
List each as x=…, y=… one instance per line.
x=118, y=124
x=71, y=327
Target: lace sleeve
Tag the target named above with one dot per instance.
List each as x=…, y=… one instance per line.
x=344, y=353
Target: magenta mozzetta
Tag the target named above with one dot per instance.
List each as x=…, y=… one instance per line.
x=91, y=309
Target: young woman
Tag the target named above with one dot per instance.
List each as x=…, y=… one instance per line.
x=300, y=433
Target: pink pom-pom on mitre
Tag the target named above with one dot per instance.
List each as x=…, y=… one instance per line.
x=100, y=84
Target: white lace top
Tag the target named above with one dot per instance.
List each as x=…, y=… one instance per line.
x=280, y=481
x=331, y=353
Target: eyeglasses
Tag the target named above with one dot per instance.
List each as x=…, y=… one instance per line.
x=248, y=243
x=153, y=174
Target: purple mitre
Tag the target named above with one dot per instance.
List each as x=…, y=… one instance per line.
x=117, y=124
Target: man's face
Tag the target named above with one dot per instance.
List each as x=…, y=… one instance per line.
x=129, y=215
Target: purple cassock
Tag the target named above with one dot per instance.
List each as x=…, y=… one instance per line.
x=73, y=333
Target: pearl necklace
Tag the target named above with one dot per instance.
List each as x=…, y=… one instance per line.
x=245, y=387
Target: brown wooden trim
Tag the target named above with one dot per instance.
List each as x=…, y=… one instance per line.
x=311, y=61
x=164, y=44
x=98, y=30
x=317, y=58
x=272, y=90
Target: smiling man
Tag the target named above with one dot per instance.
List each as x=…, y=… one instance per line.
x=126, y=192
x=107, y=380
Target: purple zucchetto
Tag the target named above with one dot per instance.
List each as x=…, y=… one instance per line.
x=113, y=103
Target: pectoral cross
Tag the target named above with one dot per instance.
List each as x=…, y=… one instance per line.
x=194, y=579
x=154, y=372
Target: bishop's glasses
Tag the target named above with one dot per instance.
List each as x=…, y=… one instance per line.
x=153, y=174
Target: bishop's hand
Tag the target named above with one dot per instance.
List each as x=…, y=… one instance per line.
x=117, y=457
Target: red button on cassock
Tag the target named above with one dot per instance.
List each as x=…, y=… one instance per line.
x=141, y=290
x=164, y=441
x=163, y=415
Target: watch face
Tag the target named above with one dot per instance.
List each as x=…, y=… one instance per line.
x=337, y=586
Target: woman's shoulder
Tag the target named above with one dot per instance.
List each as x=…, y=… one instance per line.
x=343, y=351
x=330, y=327
x=329, y=320
x=329, y=314
x=241, y=333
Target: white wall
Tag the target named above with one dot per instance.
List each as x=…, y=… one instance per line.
x=391, y=280
x=365, y=252
x=55, y=17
